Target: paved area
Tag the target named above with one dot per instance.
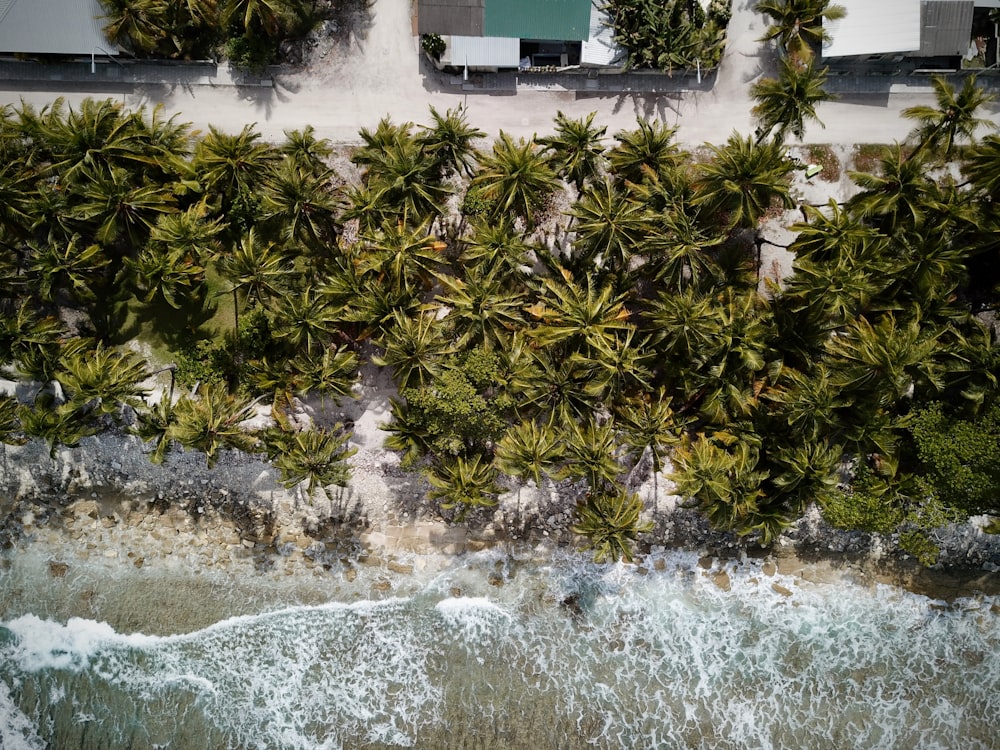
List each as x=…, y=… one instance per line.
x=380, y=71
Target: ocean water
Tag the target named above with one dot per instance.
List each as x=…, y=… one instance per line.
x=565, y=654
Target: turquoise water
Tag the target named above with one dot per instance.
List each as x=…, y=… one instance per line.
x=565, y=654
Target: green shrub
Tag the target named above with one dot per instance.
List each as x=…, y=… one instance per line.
x=250, y=53
x=433, y=45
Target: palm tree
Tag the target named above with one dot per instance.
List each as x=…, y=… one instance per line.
x=590, y=453
x=71, y=266
x=583, y=316
x=232, y=166
x=306, y=151
x=98, y=381
x=797, y=25
x=464, y=483
x=413, y=348
x=495, y=247
x=551, y=383
x=610, y=523
x=300, y=206
x=257, y=269
x=210, y=421
x=481, y=309
x=576, y=150
x=650, y=148
x=303, y=317
x=679, y=253
x=900, y=195
x=31, y=342
x=139, y=25
x=171, y=274
x=156, y=425
x=255, y=16
x=450, y=140
x=617, y=369
x=743, y=179
x=647, y=422
x=316, y=457
x=116, y=210
x=529, y=449
x=953, y=118
x=610, y=224
x=516, y=178
x=983, y=165
x=725, y=482
x=399, y=255
x=786, y=102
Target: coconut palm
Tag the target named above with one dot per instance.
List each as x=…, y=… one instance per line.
x=982, y=165
x=649, y=149
x=496, y=248
x=528, y=450
x=583, y=316
x=306, y=151
x=56, y=424
x=516, y=178
x=546, y=381
x=450, y=140
x=10, y=423
x=210, y=421
x=232, y=165
x=399, y=255
x=155, y=425
x=618, y=369
x=809, y=403
x=575, y=149
x=679, y=253
x=316, y=457
x=72, y=267
x=610, y=225
x=300, y=206
x=31, y=342
x=464, y=483
x=98, y=381
x=953, y=118
x=255, y=16
x=114, y=209
x=900, y=194
x=647, y=422
x=139, y=25
x=190, y=232
x=785, y=103
x=481, y=309
x=303, y=318
x=259, y=270
x=169, y=275
x=743, y=179
x=609, y=521
x=590, y=453
x=413, y=347
x=797, y=25
x=722, y=477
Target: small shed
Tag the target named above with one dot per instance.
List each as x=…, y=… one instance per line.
x=481, y=52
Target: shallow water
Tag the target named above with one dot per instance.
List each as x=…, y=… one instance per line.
x=565, y=654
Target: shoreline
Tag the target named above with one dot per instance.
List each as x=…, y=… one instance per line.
x=104, y=502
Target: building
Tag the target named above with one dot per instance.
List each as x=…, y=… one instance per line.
x=489, y=35
x=53, y=27
x=910, y=35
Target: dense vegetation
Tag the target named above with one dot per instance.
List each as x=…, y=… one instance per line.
x=526, y=343
x=249, y=32
x=671, y=34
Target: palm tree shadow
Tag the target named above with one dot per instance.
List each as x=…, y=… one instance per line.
x=175, y=328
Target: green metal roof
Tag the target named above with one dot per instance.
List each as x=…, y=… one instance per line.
x=565, y=20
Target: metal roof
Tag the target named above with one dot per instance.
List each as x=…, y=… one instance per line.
x=481, y=51
x=53, y=27
x=559, y=20
x=450, y=17
x=600, y=48
x=946, y=27
x=874, y=28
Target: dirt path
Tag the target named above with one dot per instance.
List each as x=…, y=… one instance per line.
x=375, y=69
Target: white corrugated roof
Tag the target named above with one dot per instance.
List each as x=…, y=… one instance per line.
x=874, y=27
x=54, y=27
x=481, y=51
x=600, y=48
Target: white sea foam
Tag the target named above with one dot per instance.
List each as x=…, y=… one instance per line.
x=16, y=730
x=668, y=659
